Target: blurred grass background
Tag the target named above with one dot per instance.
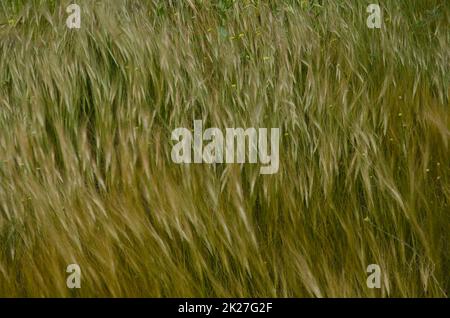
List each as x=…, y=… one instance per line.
x=85, y=169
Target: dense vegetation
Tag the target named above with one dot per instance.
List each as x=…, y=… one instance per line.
x=86, y=175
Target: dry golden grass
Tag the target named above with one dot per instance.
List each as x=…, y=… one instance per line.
x=86, y=175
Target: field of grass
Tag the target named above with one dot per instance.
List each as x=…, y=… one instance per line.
x=86, y=175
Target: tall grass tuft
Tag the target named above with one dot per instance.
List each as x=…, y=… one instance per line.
x=86, y=175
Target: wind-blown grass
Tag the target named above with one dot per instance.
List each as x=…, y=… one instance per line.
x=86, y=175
